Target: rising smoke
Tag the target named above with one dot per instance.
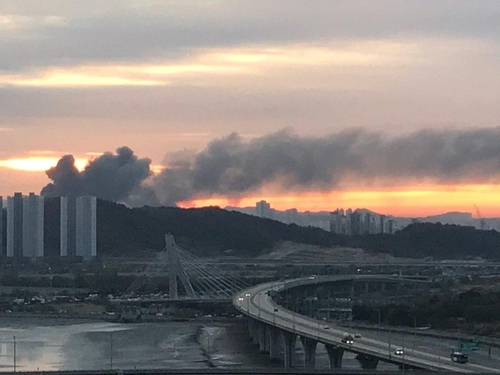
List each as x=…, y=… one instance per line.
x=233, y=166
x=115, y=177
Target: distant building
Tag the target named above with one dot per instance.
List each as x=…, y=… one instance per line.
x=25, y=226
x=86, y=227
x=68, y=227
x=359, y=222
x=33, y=226
x=292, y=216
x=2, y=252
x=263, y=209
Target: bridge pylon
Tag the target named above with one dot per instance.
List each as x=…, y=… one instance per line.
x=193, y=277
x=176, y=271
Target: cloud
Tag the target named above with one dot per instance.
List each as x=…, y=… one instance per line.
x=169, y=30
x=114, y=177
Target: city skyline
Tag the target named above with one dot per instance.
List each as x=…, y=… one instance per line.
x=24, y=228
x=227, y=102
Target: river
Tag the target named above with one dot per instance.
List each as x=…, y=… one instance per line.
x=56, y=344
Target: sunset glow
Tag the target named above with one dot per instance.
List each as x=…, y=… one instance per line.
x=403, y=201
x=37, y=164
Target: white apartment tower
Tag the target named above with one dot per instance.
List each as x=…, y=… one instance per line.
x=68, y=227
x=86, y=227
x=78, y=227
x=2, y=254
x=25, y=226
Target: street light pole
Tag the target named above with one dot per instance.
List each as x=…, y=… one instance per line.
x=15, y=354
x=260, y=294
x=414, y=331
x=461, y=319
x=111, y=350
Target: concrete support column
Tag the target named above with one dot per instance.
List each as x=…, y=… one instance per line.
x=335, y=355
x=274, y=343
x=309, y=352
x=262, y=337
x=367, y=287
x=382, y=287
x=267, y=347
x=367, y=362
x=351, y=293
x=250, y=324
x=290, y=339
x=253, y=328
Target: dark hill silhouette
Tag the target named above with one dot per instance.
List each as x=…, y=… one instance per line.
x=435, y=240
x=211, y=230
x=124, y=231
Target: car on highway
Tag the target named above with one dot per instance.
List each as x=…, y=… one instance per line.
x=326, y=327
x=357, y=335
x=348, y=340
x=399, y=351
x=275, y=309
x=459, y=357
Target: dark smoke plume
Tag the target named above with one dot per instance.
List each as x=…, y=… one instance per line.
x=115, y=177
x=233, y=166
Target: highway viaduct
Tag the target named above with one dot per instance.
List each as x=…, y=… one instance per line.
x=276, y=330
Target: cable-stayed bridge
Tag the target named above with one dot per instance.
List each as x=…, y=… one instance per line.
x=187, y=276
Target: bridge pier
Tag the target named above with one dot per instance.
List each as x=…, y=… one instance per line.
x=262, y=337
x=253, y=329
x=335, y=355
x=367, y=362
x=274, y=343
x=290, y=339
x=352, y=290
x=309, y=352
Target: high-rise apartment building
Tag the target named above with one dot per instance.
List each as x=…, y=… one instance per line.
x=33, y=226
x=2, y=253
x=86, y=227
x=359, y=222
x=263, y=209
x=68, y=227
x=25, y=226
x=78, y=235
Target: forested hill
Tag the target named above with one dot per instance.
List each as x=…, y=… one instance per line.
x=125, y=231
x=211, y=230
x=435, y=240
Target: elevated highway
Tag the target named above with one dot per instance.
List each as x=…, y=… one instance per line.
x=276, y=330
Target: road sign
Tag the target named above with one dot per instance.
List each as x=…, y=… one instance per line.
x=466, y=346
x=271, y=293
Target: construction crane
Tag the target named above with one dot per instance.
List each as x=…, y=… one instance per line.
x=482, y=222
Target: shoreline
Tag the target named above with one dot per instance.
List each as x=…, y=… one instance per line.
x=112, y=319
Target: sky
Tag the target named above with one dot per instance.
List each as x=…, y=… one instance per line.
x=387, y=105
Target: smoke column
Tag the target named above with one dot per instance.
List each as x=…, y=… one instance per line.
x=233, y=166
